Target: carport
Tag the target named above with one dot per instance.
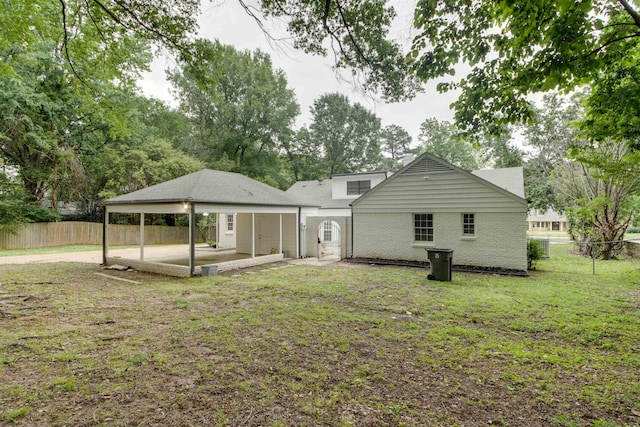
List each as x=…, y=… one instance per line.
x=268, y=218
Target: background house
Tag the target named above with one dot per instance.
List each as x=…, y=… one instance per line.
x=326, y=227
x=546, y=220
x=433, y=204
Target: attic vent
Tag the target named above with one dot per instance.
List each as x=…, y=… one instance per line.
x=428, y=165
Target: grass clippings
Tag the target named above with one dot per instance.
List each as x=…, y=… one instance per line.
x=340, y=345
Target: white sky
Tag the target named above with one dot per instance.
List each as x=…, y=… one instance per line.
x=309, y=76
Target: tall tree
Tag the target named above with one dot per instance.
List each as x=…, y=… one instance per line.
x=549, y=137
x=395, y=141
x=600, y=194
x=499, y=151
x=242, y=112
x=442, y=139
x=516, y=48
x=348, y=133
x=144, y=156
x=304, y=155
x=46, y=119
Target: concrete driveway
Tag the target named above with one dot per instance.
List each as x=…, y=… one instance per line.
x=95, y=257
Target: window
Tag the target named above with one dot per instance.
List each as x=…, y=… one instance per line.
x=468, y=224
x=327, y=232
x=355, y=188
x=229, y=222
x=423, y=227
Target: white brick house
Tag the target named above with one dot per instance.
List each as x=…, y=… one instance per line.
x=430, y=203
x=325, y=221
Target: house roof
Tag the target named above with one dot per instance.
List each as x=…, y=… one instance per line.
x=317, y=193
x=511, y=179
x=210, y=186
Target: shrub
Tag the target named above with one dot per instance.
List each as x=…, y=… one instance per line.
x=534, y=253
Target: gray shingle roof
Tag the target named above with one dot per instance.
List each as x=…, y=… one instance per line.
x=511, y=179
x=317, y=193
x=210, y=186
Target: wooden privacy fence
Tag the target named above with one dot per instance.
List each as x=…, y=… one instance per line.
x=41, y=235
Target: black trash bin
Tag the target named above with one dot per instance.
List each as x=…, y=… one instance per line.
x=441, y=261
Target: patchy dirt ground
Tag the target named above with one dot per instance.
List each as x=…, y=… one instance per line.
x=341, y=345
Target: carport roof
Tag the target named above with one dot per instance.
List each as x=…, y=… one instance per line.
x=210, y=186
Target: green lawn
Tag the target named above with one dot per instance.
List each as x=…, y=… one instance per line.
x=343, y=345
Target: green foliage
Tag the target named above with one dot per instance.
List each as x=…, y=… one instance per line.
x=347, y=135
x=548, y=138
x=16, y=209
x=357, y=31
x=534, y=253
x=240, y=108
x=395, y=141
x=442, y=139
x=204, y=223
x=613, y=108
x=518, y=48
x=13, y=415
x=600, y=193
x=498, y=151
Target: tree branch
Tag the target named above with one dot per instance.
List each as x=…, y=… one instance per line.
x=65, y=43
x=634, y=15
x=350, y=34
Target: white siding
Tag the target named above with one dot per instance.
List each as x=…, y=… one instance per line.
x=452, y=191
x=500, y=239
x=226, y=238
x=339, y=184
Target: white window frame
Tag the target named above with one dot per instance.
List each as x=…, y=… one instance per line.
x=468, y=224
x=420, y=236
x=230, y=223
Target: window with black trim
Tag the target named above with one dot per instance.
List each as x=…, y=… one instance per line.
x=355, y=188
x=468, y=224
x=423, y=227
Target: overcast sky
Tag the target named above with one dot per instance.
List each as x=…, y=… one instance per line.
x=309, y=76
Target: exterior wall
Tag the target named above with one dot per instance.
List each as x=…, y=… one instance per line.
x=226, y=238
x=500, y=239
x=449, y=191
x=339, y=183
x=311, y=234
x=267, y=228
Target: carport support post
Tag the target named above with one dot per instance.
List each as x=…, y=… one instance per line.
x=253, y=235
x=141, y=236
x=192, y=238
x=105, y=236
x=280, y=248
